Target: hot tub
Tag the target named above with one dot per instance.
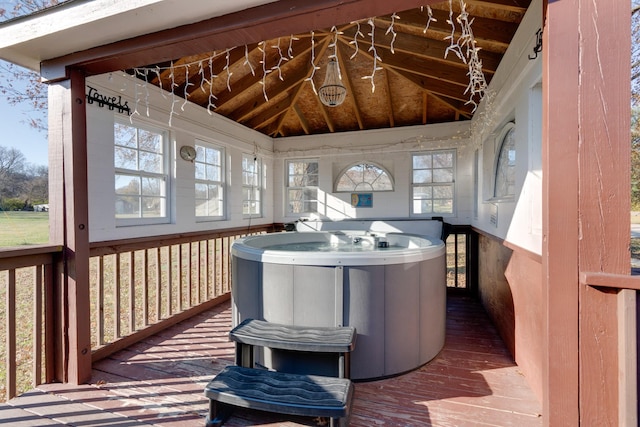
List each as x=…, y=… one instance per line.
x=393, y=293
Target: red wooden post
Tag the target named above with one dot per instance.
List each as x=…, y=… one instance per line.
x=69, y=226
x=586, y=204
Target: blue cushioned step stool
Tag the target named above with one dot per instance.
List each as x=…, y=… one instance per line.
x=293, y=394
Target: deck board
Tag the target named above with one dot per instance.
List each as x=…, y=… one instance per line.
x=160, y=382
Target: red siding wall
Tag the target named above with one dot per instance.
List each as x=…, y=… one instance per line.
x=510, y=288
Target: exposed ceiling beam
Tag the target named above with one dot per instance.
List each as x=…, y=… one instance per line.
x=277, y=19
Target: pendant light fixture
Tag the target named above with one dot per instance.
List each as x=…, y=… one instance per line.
x=332, y=92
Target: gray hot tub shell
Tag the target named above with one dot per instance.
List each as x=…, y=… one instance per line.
x=396, y=299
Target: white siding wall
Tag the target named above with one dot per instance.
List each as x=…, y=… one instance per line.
x=391, y=148
x=192, y=124
x=514, y=95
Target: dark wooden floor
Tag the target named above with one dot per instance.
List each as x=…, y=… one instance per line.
x=160, y=382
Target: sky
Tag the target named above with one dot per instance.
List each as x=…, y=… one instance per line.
x=14, y=128
x=16, y=132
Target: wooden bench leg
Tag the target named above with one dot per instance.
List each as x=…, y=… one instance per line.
x=218, y=414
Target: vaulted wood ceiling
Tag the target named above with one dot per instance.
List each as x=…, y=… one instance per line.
x=266, y=86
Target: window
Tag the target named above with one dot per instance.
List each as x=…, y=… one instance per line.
x=141, y=174
x=251, y=185
x=364, y=177
x=433, y=182
x=209, y=181
x=302, y=186
x=505, y=177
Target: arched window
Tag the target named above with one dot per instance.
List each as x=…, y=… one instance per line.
x=364, y=177
x=505, y=182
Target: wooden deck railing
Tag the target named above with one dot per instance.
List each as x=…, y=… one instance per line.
x=461, y=246
x=138, y=287
x=26, y=328
x=141, y=286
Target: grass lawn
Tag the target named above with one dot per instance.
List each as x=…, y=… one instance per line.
x=23, y=228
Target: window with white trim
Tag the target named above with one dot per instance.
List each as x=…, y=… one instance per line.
x=433, y=182
x=505, y=173
x=209, y=181
x=251, y=185
x=141, y=174
x=302, y=186
x=364, y=177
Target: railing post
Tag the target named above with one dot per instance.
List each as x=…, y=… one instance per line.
x=68, y=220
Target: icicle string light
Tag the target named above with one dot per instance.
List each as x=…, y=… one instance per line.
x=314, y=67
x=354, y=42
x=247, y=61
x=392, y=31
x=430, y=18
x=187, y=83
x=263, y=82
x=375, y=56
x=281, y=59
x=292, y=38
x=463, y=46
x=334, y=46
x=211, y=101
x=228, y=70
x=466, y=50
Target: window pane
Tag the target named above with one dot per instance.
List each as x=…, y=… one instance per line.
x=127, y=207
x=152, y=186
x=364, y=177
x=442, y=192
x=200, y=153
x=442, y=175
x=152, y=207
x=151, y=162
x=443, y=160
x=212, y=173
x=422, y=206
x=215, y=208
x=422, y=176
x=443, y=206
x=127, y=184
x=210, y=189
x=125, y=158
x=124, y=135
x=422, y=161
x=150, y=141
x=201, y=208
x=422, y=192
x=506, y=167
x=433, y=182
x=383, y=183
x=200, y=171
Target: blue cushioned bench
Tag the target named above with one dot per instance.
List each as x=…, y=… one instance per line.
x=293, y=394
x=252, y=332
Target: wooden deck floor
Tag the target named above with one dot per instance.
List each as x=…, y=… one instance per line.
x=160, y=382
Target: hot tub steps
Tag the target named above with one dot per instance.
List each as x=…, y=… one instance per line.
x=340, y=340
x=292, y=394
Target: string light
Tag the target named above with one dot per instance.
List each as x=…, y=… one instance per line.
x=226, y=67
x=375, y=56
x=290, y=49
x=247, y=62
x=314, y=67
x=464, y=47
x=392, y=31
x=430, y=18
x=264, y=70
x=281, y=59
x=355, y=39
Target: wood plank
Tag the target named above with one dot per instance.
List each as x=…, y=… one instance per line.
x=161, y=379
